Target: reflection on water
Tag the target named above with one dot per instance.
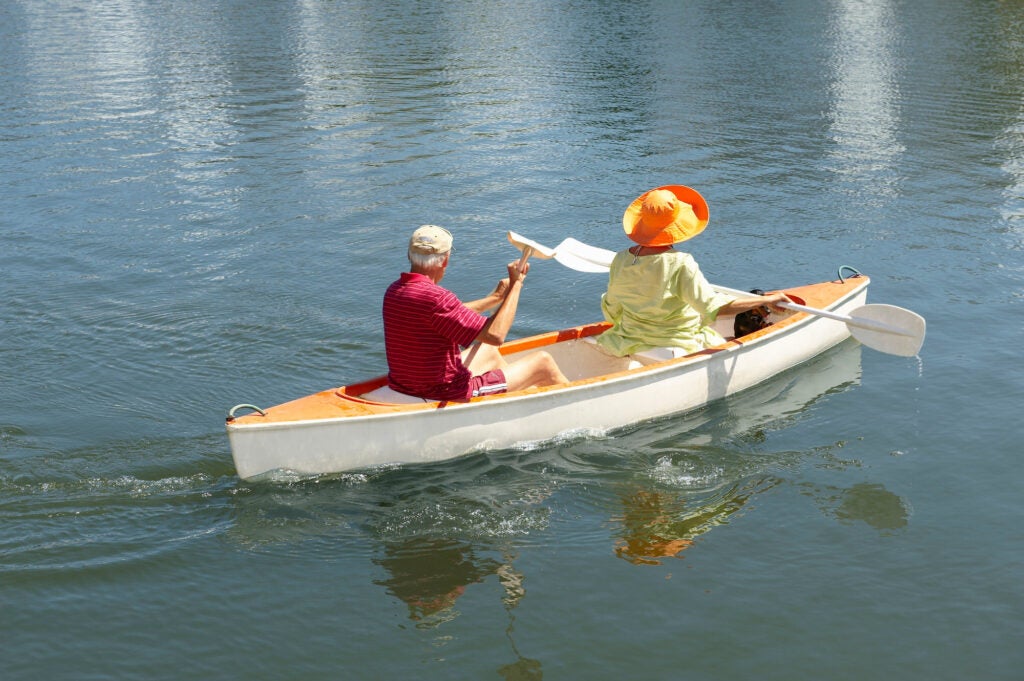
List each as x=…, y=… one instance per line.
x=524, y=667
x=436, y=533
x=865, y=114
x=692, y=484
x=429, y=574
x=658, y=524
x=874, y=505
x=869, y=503
x=1010, y=140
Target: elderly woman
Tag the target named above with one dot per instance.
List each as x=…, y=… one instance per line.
x=657, y=296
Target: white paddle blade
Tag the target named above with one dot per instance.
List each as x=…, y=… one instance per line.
x=888, y=328
x=583, y=257
x=521, y=242
x=574, y=262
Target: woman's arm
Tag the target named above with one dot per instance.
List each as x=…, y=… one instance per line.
x=743, y=304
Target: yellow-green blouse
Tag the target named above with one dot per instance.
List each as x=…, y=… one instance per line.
x=656, y=301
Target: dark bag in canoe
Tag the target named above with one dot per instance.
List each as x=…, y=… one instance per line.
x=752, y=320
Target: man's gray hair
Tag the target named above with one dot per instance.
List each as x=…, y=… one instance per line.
x=426, y=260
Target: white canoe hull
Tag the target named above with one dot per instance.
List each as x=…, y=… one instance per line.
x=352, y=441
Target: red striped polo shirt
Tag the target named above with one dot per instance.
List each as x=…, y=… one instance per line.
x=424, y=325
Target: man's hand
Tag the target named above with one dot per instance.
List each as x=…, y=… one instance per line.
x=514, y=274
x=501, y=289
x=507, y=293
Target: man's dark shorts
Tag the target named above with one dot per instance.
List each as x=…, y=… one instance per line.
x=489, y=383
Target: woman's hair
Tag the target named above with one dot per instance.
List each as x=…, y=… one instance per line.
x=426, y=260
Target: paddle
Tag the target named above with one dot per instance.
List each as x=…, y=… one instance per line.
x=527, y=252
x=886, y=328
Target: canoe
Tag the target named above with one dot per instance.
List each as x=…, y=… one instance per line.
x=367, y=425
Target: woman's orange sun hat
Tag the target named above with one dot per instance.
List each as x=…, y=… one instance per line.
x=665, y=216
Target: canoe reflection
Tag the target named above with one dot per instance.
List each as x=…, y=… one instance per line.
x=430, y=574
x=787, y=396
x=661, y=516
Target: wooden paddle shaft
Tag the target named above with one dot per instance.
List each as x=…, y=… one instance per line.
x=527, y=251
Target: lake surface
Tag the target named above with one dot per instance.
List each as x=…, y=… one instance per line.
x=202, y=203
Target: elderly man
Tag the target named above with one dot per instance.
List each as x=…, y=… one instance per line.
x=426, y=325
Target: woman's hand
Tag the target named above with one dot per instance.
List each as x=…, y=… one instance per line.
x=773, y=300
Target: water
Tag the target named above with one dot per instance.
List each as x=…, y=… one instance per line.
x=201, y=203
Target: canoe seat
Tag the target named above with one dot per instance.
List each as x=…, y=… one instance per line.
x=386, y=394
x=638, y=359
x=659, y=354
